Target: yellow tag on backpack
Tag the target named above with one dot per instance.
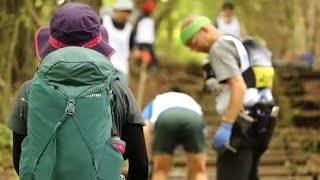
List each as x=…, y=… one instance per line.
x=263, y=76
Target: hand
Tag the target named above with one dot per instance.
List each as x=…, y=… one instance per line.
x=146, y=56
x=222, y=136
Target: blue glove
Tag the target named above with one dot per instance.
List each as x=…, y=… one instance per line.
x=222, y=136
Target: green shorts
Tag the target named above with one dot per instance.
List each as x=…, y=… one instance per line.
x=177, y=126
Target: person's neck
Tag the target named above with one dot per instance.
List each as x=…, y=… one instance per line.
x=213, y=38
x=217, y=34
x=227, y=19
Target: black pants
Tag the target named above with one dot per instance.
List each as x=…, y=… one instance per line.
x=238, y=166
x=243, y=165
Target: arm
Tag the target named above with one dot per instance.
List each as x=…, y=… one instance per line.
x=225, y=65
x=147, y=129
x=148, y=136
x=132, y=133
x=237, y=90
x=18, y=122
x=136, y=152
x=16, y=150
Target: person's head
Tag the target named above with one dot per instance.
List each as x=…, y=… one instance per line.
x=228, y=9
x=198, y=33
x=122, y=10
x=74, y=24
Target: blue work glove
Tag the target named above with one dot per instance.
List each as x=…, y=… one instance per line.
x=222, y=136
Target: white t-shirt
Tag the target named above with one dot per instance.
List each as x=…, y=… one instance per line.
x=231, y=28
x=171, y=100
x=145, y=31
x=119, y=40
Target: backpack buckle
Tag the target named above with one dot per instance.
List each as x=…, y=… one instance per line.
x=70, y=108
x=111, y=93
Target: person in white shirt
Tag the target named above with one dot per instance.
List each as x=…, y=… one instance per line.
x=172, y=119
x=121, y=35
x=145, y=31
x=228, y=23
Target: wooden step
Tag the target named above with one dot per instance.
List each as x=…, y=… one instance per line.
x=313, y=164
x=305, y=102
x=177, y=176
x=265, y=172
x=267, y=159
x=307, y=118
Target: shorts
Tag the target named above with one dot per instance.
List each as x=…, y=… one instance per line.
x=179, y=126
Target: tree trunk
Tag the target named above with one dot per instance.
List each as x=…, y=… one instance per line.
x=298, y=28
x=310, y=24
x=164, y=12
x=19, y=21
x=8, y=46
x=317, y=38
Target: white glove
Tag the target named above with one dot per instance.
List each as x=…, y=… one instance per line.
x=212, y=85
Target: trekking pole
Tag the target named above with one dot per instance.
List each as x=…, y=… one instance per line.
x=145, y=58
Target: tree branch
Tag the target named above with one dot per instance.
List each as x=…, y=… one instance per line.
x=34, y=15
x=14, y=40
x=167, y=10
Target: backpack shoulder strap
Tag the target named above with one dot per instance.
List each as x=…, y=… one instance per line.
x=242, y=52
x=115, y=130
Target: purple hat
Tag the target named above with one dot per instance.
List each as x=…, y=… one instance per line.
x=74, y=24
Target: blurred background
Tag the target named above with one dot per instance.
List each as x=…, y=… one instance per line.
x=290, y=29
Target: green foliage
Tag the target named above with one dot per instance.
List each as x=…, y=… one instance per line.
x=168, y=36
x=310, y=145
x=5, y=144
x=108, y=2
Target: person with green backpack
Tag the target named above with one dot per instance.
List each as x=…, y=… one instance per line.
x=75, y=119
x=243, y=98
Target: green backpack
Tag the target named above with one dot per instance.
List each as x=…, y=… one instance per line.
x=70, y=119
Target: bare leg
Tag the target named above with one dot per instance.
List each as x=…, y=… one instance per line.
x=196, y=166
x=161, y=166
